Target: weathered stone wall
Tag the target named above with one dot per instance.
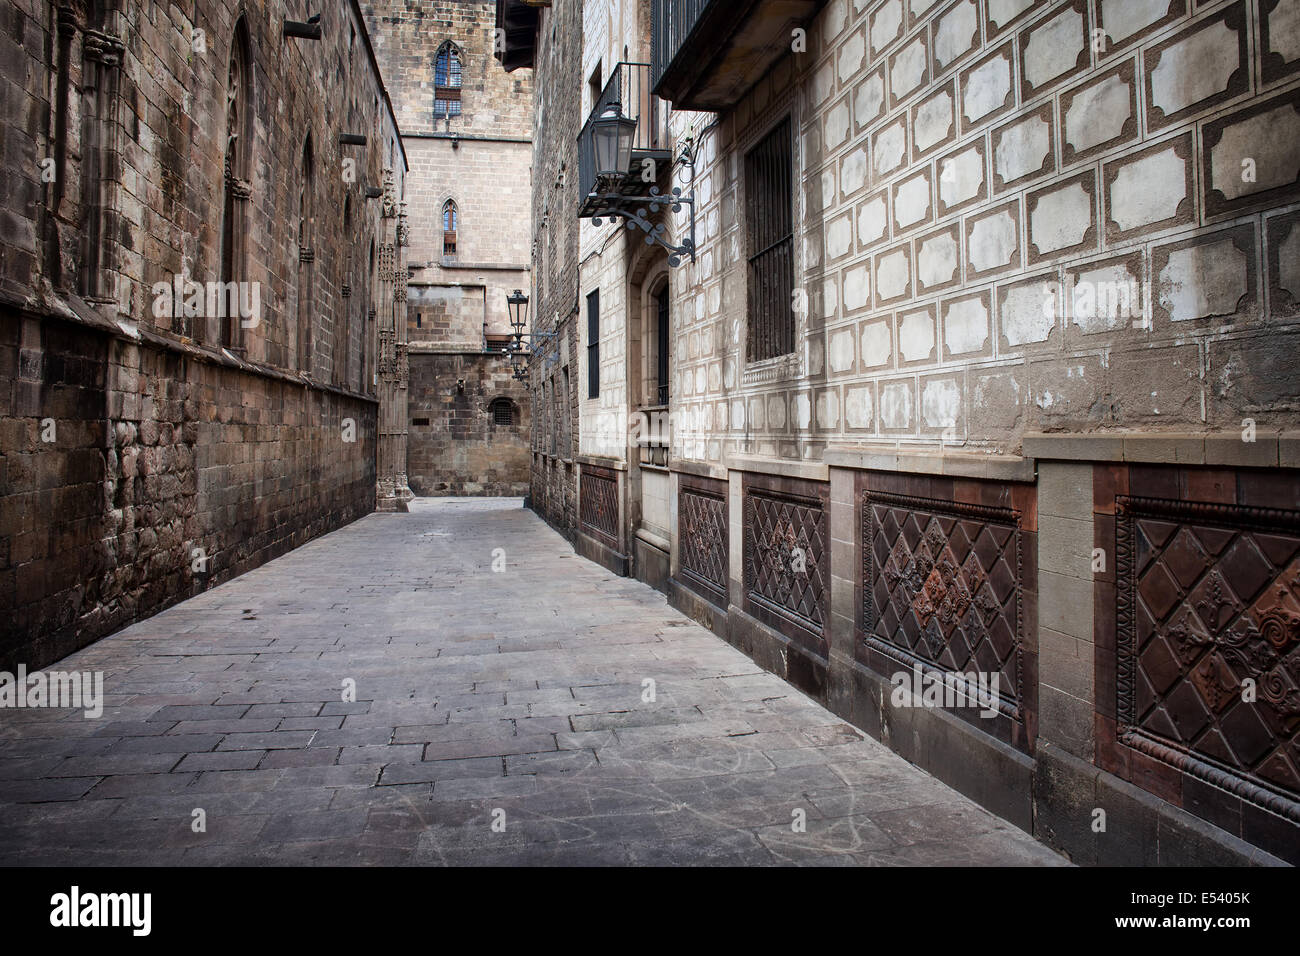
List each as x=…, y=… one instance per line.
x=407, y=35
x=456, y=447
x=145, y=451
x=478, y=160
x=165, y=474
x=556, y=385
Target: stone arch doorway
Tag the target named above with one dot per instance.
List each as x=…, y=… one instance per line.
x=649, y=365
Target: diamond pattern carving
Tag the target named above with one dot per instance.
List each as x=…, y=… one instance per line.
x=785, y=557
x=942, y=586
x=1208, y=608
x=703, y=540
x=599, y=504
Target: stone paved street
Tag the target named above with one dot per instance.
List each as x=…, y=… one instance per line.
x=475, y=692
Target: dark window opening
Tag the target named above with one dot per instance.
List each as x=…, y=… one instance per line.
x=234, y=219
x=419, y=421
x=502, y=411
x=593, y=344
x=769, y=205
x=662, y=330
x=594, y=87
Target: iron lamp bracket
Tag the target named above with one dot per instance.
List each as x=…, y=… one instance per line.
x=656, y=233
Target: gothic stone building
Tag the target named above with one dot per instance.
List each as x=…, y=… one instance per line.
x=983, y=364
x=201, y=301
x=466, y=129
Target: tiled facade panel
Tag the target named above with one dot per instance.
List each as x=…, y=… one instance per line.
x=1007, y=207
x=949, y=585
x=1198, y=669
x=787, y=557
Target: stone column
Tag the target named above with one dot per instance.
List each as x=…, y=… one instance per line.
x=392, y=492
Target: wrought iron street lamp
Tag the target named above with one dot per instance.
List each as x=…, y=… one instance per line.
x=612, y=134
x=656, y=233
x=520, y=352
x=517, y=303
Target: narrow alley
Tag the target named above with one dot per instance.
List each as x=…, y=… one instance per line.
x=543, y=712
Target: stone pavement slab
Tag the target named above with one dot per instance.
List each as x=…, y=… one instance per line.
x=382, y=696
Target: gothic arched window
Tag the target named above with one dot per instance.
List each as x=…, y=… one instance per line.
x=446, y=81
x=236, y=190
x=306, y=254
x=450, y=226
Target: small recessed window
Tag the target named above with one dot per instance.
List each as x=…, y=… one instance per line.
x=419, y=421
x=502, y=411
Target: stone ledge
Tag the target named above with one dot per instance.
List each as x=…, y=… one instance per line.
x=73, y=310
x=654, y=540
x=1270, y=449
x=702, y=469
x=957, y=465
x=616, y=464
x=1151, y=831
x=785, y=468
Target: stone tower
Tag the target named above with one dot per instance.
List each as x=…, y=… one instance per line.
x=455, y=421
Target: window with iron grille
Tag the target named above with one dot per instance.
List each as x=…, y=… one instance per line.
x=450, y=226
x=446, y=82
x=503, y=411
x=662, y=329
x=593, y=344
x=769, y=214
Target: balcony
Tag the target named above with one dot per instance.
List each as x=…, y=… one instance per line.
x=516, y=30
x=629, y=87
x=708, y=53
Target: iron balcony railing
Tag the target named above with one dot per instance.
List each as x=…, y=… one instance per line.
x=672, y=22
x=629, y=86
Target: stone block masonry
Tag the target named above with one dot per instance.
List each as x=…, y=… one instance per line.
x=150, y=445
x=466, y=129
x=167, y=475
x=555, y=386
x=456, y=445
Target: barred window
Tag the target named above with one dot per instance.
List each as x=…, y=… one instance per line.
x=593, y=344
x=446, y=82
x=502, y=411
x=769, y=214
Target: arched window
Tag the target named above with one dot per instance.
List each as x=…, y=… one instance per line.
x=502, y=411
x=446, y=82
x=305, y=198
x=663, y=331
x=450, y=225
x=343, y=326
x=306, y=254
x=236, y=190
